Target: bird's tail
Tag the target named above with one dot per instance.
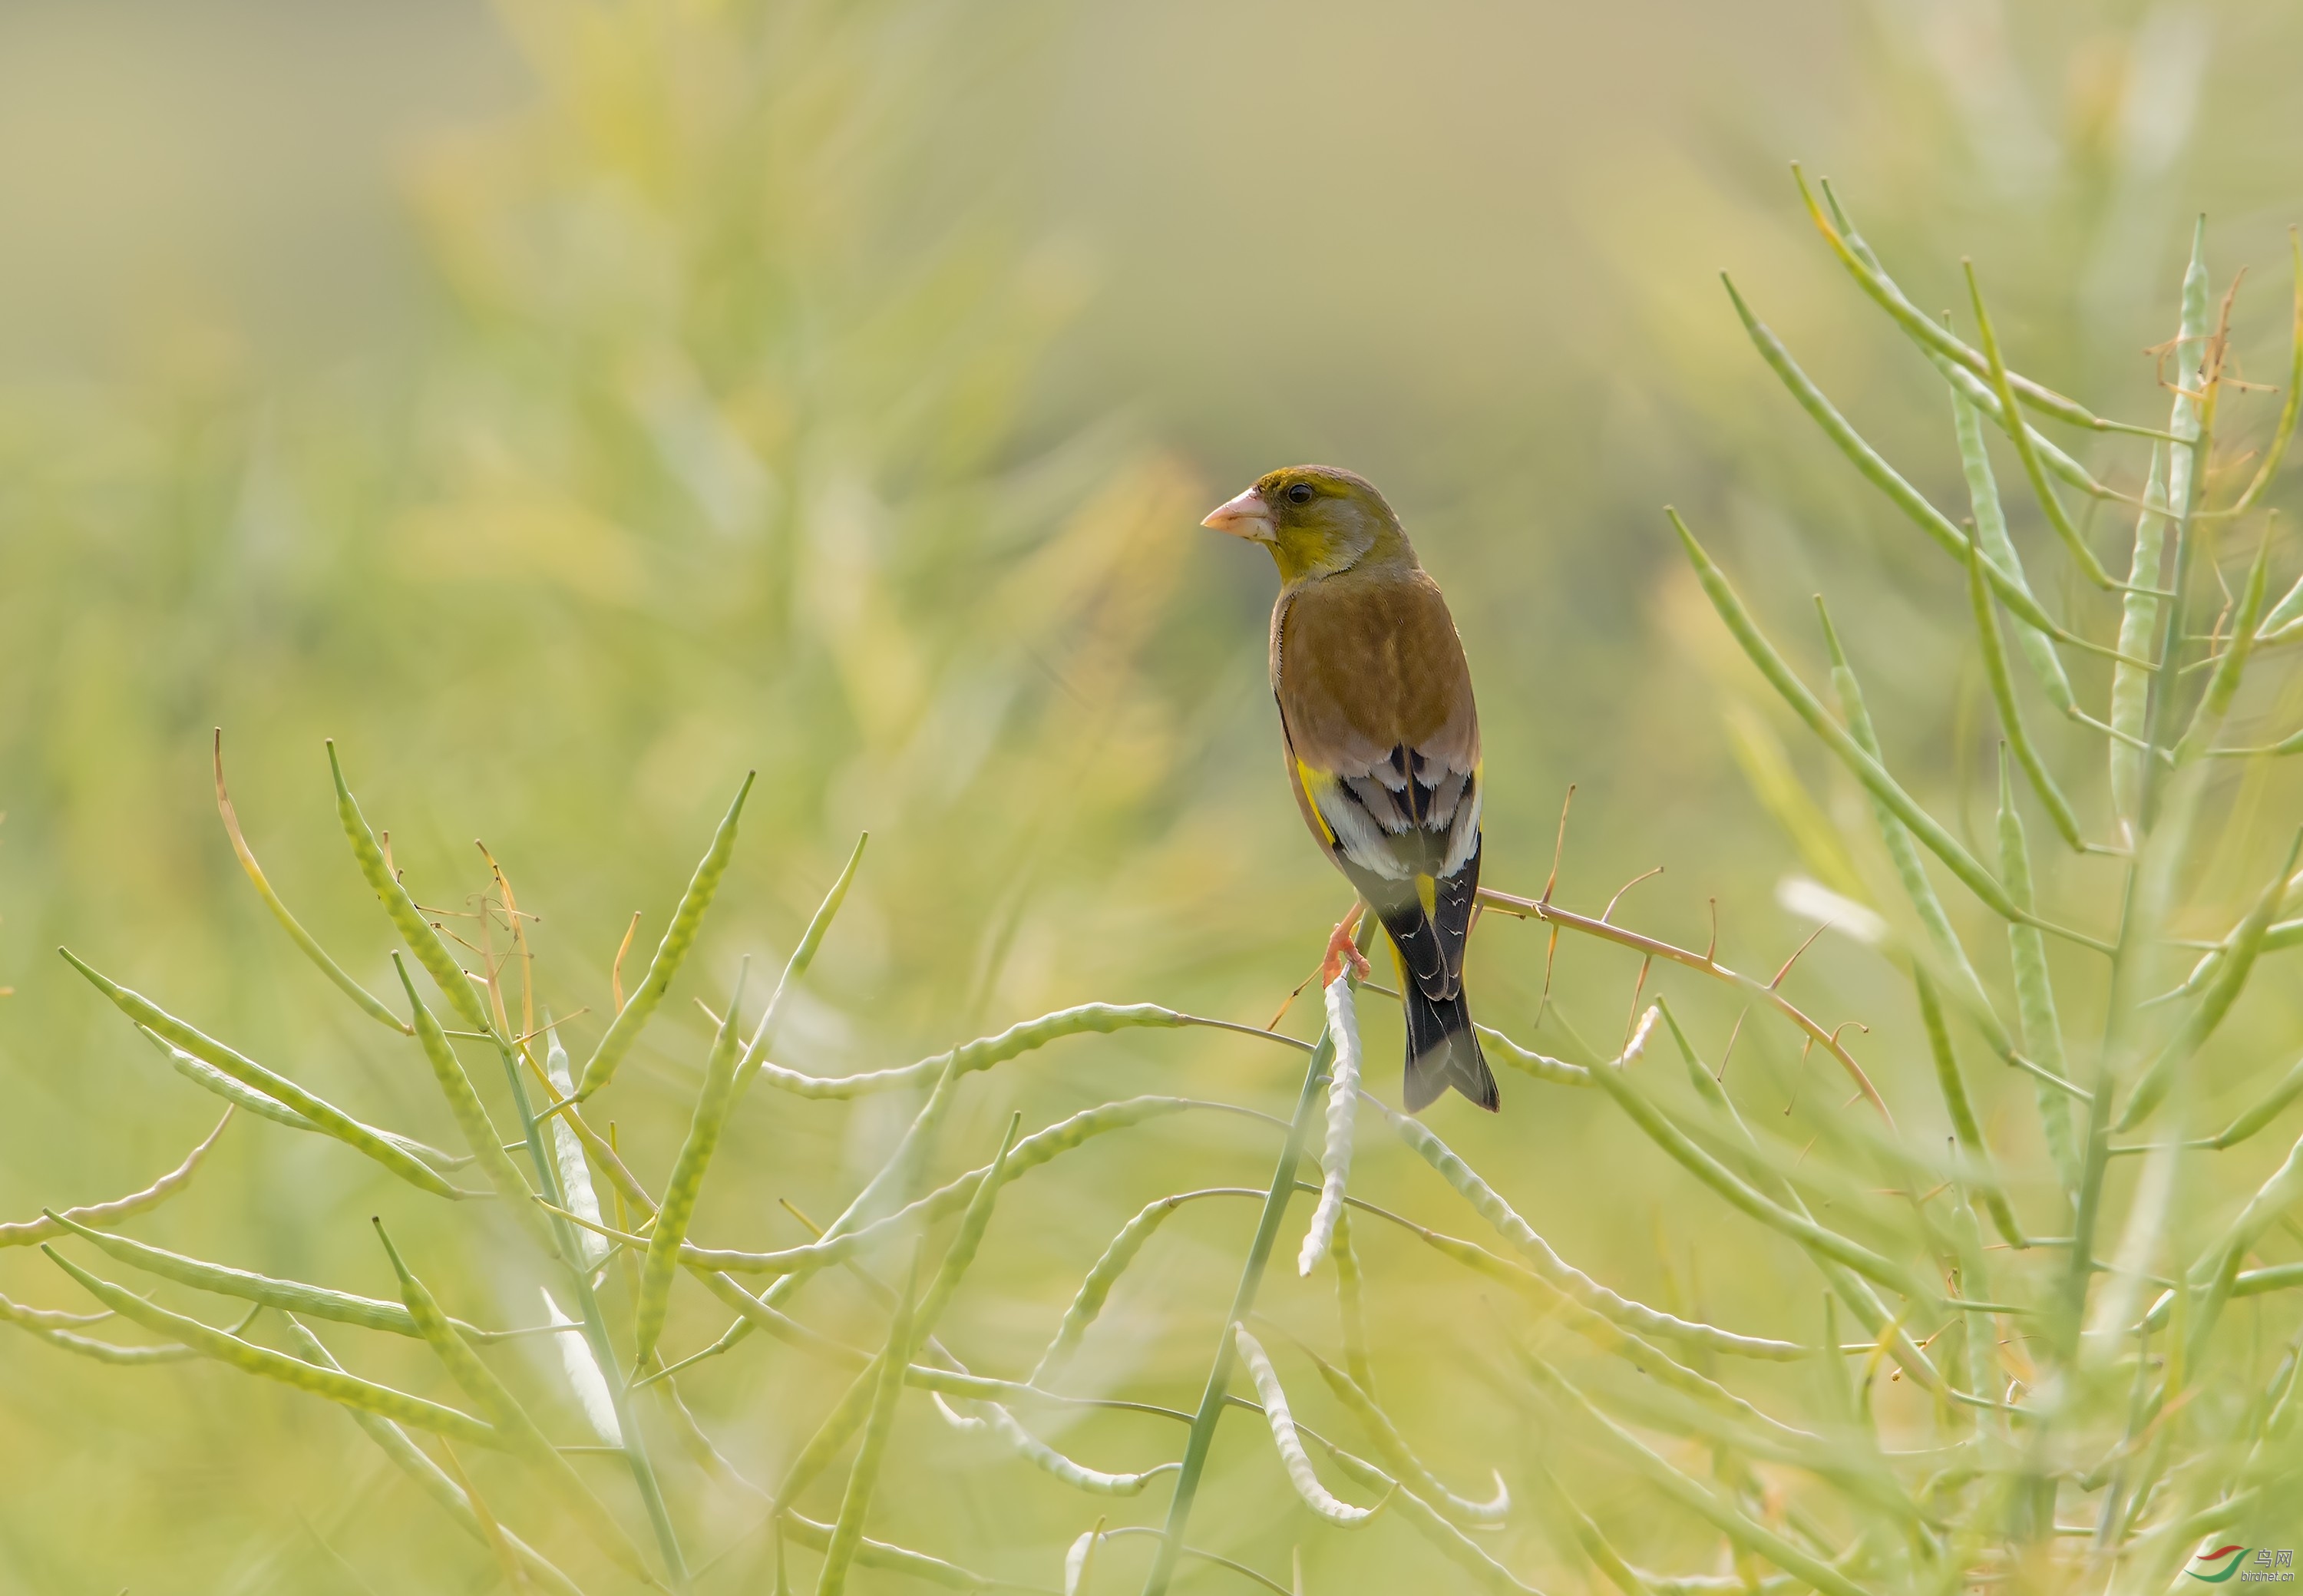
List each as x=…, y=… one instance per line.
x=1443, y=1050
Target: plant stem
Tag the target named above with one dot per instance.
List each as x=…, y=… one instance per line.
x=595, y=1336
x=1243, y=1302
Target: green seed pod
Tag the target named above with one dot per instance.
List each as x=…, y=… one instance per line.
x=325, y=1115
x=886, y=1379
x=471, y=1118
x=677, y=938
x=431, y=950
x=686, y=1183
x=349, y=1389
x=511, y=1421
x=1556, y=1273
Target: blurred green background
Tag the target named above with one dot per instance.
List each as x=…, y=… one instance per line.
x=570, y=407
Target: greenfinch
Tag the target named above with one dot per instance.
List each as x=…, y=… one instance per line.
x=1382, y=741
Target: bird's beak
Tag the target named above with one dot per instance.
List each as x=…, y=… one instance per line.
x=1247, y=516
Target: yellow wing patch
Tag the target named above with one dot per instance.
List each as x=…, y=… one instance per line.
x=1314, y=782
x=1427, y=892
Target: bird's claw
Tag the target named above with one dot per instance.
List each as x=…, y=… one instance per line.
x=1341, y=949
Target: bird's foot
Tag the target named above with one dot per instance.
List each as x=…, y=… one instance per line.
x=1341, y=951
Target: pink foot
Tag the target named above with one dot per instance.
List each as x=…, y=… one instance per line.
x=1340, y=949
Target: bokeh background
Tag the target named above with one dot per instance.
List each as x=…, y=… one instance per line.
x=569, y=408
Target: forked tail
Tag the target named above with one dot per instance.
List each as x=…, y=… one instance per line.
x=1443, y=1050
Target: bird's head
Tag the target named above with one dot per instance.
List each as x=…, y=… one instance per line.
x=1315, y=519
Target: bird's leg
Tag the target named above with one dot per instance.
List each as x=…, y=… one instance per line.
x=1340, y=948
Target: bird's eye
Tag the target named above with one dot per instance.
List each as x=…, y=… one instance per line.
x=1300, y=493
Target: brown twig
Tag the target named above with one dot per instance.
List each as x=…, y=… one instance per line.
x=1794, y=958
x=1558, y=843
x=1732, y=1036
x=1534, y=908
x=616, y=970
x=1608, y=913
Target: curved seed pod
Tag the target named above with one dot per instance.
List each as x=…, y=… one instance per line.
x=293, y=1296
x=967, y=1238
x=1562, y=1277
x=1810, y=1236
x=1859, y=1294
x=797, y=966
x=686, y=1185
x=429, y=1475
x=837, y=1245
x=1300, y=1472
x=847, y=1416
x=519, y=1431
x=1349, y=1309
x=1993, y=544
x=1909, y=868
x=1088, y=1300
x=368, y=1003
x=1608, y=1336
x=1215, y=1396
x=2058, y=518
x=430, y=949
x=2253, y=1119
x=1748, y=1533
x=894, y=1181
x=349, y=1389
x=24, y=1232
x=980, y=1055
x=587, y=1380
x=46, y=1325
x=1543, y=1067
x=999, y=1423
x=919, y=1314
x=2035, y=993
x=15, y=1312
x=677, y=938
x=2216, y=703
x=1860, y=763
x=1883, y=476
x=2217, y=1277
x=2191, y=424
x=1452, y=1542
x=325, y=1115
x=1956, y=1102
x=887, y=1383
x=1864, y=267
x=2011, y=715
x=1343, y=1108
x=472, y=1117
x=1081, y=1559
x=1396, y=1451
x=2284, y=933
x=2251, y=1282
x=209, y=1079
x=1977, y=394
x=570, y=1137
x=2290, y=407
x=879, y=1554
x=2139, y=628
x=2283, y=617
x=2222, y=991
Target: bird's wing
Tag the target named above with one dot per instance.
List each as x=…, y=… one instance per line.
x=1383, y=752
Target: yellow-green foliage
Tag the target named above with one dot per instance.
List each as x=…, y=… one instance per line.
x=738, y=428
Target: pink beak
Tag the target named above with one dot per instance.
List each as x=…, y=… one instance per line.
x=1247, y=516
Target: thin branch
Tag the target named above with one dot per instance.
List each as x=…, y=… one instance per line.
x=1533, y=908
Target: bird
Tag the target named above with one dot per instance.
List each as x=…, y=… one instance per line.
x=1381, y=743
